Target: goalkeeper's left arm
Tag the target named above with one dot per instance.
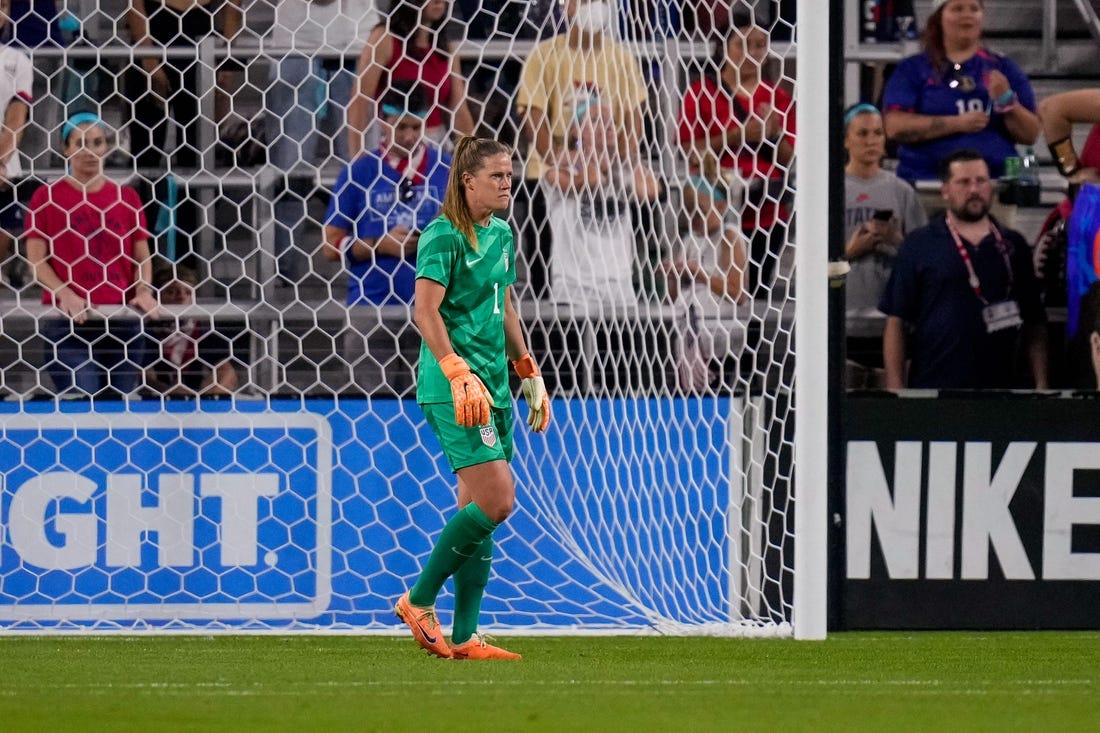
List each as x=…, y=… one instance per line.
x=534, y=389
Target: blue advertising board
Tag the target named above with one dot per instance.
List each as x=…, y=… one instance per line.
x=157, y=515
x=319, y=513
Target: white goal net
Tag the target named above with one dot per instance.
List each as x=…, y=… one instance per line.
x=253, y=458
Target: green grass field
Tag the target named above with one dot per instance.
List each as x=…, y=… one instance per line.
x=852, y=682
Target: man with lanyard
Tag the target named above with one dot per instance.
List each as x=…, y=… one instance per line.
x=379, y=205
x=962, y=297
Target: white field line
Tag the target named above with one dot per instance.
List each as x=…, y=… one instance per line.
x=394, y=687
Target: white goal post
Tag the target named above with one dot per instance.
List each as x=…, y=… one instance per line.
x=664, y=498
x=811, y=344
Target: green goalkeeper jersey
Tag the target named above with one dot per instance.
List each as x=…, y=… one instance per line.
x=473, y=307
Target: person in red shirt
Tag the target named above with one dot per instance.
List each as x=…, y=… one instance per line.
x=733, y=115
x=413, y=44
x=88, y=247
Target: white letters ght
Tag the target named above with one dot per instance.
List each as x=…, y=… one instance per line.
x=128, y=523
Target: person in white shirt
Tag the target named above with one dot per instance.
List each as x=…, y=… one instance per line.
x=561, y=72
x=588, y=195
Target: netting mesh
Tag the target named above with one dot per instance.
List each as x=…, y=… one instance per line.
x=653, y=224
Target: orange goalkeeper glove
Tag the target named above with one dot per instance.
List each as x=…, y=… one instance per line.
x=472, y=400
x=534, y=391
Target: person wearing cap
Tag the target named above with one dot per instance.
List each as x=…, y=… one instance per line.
x=88, y=247
x=380, y=204
x=957, y=94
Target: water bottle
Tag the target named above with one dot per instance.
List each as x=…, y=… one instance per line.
x=1027, y=185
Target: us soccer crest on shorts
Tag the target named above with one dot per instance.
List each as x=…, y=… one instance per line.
x=489, y=436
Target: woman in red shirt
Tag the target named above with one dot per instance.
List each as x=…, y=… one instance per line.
x=89, y=248
x=412, y=45
x=737, y=118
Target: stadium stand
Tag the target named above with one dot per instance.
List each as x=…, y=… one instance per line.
x=285, y=332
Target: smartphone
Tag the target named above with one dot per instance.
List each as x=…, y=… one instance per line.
x=883, y=214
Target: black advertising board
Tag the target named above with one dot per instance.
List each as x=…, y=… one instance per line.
x=971, y=512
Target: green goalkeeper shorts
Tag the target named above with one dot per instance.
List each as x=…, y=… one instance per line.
x=471, y=446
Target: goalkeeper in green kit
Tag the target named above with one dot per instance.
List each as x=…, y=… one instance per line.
x=465, y=267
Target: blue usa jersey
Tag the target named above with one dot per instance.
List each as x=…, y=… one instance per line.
x=370, y=199
x=916, y=86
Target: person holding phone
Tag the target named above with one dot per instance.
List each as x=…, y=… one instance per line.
x=739, y=116
x=879, y=208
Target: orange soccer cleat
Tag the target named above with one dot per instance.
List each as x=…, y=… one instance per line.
x=477, y=647
x=424, y=625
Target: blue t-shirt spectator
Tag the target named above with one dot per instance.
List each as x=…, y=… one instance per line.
x=917, y=86
x=371, y=197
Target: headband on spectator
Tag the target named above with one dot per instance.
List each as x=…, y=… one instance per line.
x=704, y=186
x=583, y=106
x=390, y=110
x=859, y=109
x=80, y=118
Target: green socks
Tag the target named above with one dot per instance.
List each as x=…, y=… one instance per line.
x=460, y=539
x=470, y=582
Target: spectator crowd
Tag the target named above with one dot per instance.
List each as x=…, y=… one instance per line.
x=375, y=93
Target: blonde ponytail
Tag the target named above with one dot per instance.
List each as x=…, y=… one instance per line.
x=469, y=157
